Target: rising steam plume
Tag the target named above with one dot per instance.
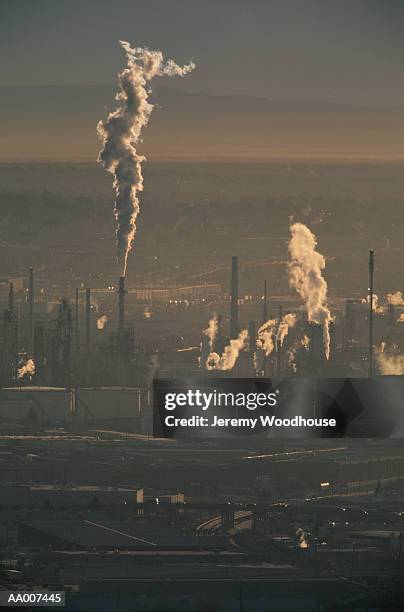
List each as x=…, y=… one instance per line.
x=266, y=334
x=303, y=538
x=375, y=303
x=270, y=336
x=101, y=322
x=28, y=369
x=120, y=134
x=274, y=330
x=230, y=354
x=212, y=330
x=305, y=275
x=287, y=321
x=389, y=364
x=396, y=299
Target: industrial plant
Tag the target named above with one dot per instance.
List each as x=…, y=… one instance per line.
x=258, y=249
x=120, y=337
x=94, y=505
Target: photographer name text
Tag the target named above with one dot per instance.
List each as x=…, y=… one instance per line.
x=251, y=423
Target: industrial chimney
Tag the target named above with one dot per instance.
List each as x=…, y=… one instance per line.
x=391, y=322
x=279, y=348
x=234, y=328
x=265, y=305
x=31, y=308
x=371, y=273
x=121, y=298
x=348, y=323
x=252, y=340
x=11, y=299
x=76, y=320
x=88, y=317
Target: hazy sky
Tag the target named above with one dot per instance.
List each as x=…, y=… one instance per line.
x=338, y=50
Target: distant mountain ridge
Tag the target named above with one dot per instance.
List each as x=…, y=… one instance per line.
x=49, y=122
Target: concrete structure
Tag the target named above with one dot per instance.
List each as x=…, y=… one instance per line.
x=39, y=407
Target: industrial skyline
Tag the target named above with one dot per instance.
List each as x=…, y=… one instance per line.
x=235, y=235
x=93, y=340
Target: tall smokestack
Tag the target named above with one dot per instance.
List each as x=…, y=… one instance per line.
x=11, y=299
x=88, y=315
x=265, y=305
x=371, y=274
x=121, y=298
x=234, y=328
x=279, y=348
x=349, y=323
x=13, y=318
x=9, y=347
x=31, y=308
x=391, y=321
x=252, y=340
x=76, y=320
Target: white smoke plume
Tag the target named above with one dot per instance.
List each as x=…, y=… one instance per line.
x=230, y=354
x=288, y=321
x=305, y=342
x=305, y=275
x=376, y=306
x=272, y=331
x=291, y=352
x=389, y=365
x=396, y=299
x=101, y=322
x=28, y=369
x=212, y=330
x=266, y=335
x=121, y=131
x=269, y=335
x=303, y=538
x=147, y=313
x=375, y=303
